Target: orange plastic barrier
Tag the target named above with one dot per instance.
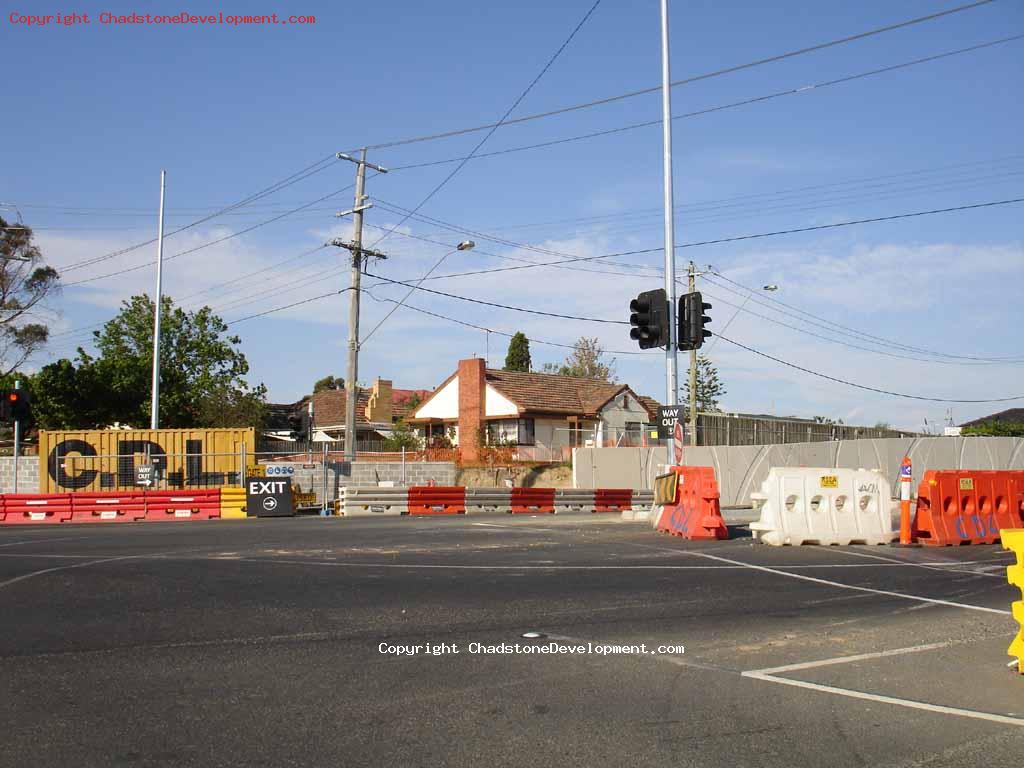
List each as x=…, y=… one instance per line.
x=35, y=508
x=200, y=504
x=695, y=514
x=967, y=506
x=613, y=499
x=437, y=500
x=532, y=501
x=108, y=507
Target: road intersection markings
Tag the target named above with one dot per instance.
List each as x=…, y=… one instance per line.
x=773, y=675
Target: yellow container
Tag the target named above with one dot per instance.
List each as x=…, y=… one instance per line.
x=105, y=459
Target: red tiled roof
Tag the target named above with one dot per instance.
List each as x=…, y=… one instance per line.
x=552, y=393
x=402, y=400
x=329, y=407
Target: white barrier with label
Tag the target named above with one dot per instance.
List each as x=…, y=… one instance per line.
x=357, y=501
x=801, y=505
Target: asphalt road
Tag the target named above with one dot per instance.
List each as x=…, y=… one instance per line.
x=258, y=642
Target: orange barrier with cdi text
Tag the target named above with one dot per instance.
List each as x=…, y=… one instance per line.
x=967, y=506
x=437, y=500
x=692, y=511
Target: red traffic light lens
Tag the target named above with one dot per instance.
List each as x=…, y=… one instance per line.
x=13, y=397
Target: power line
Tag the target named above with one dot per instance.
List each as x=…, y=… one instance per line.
x=823, y=322
x=409, y=284
x=263, y=223
x=957, y=360
x=863, y=386
x=737, y=238
x=620, y=322
x=972, y=361
x=305, y=173
x=709, y=110
x=499, y=333
x=686, y=81
x=289, y=306
x=602, y=257
x=495, y=127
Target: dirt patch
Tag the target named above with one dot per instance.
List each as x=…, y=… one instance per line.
x=546, y=476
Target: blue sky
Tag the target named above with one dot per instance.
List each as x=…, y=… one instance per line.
x=228, y=111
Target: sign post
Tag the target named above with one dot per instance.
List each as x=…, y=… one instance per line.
x=906, y=487
x=677, y=443
x=668, y=417
x=269, y=496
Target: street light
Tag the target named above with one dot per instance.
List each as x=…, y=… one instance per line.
x=770, y=288
x=465, y=245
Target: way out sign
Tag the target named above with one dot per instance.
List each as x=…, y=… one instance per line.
x=268, y=497
x=668, y=417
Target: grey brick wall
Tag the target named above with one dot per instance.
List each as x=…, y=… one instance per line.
x=28, y=474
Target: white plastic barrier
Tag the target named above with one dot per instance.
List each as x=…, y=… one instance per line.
x=373, y=501
x=823, y=506
x=488, y=501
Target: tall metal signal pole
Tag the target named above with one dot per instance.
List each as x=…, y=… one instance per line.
x=671, y=359
x=154, y=408
x=356, y=249
x=693, y=369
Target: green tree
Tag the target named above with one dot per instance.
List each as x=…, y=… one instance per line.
x=709, y=387
x=202, y=374
x=25, y=282
x=994, y=428
x=403, y=436
x=518, y=357
x=585, y=362
x=68, y=396
x=328, y=382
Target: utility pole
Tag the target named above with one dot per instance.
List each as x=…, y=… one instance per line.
x=154, y=409
x=693, y=368
x=356, y=249
x=671, y=352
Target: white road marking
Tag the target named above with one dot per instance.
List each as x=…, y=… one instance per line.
x=771, y=675
x=990, y=716
x=947, y=566
x=41, y=539
x=24, y=576
x=840, y=585
x=534, y=567
x=850, y=659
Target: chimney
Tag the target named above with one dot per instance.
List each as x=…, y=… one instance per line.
x=378, y=408
x=472, y=389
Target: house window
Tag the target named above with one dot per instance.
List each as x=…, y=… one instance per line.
x=511, y=432
x=633, y=429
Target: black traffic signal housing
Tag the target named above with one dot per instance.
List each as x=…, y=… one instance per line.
x=649, y=318
x=14, y=406
x=692, y=320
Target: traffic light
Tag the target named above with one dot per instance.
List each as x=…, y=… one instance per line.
x=649, y=319
x=14, y=406
x=692, y=320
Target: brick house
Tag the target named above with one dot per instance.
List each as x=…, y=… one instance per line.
x=378, y=409
x=543, y=415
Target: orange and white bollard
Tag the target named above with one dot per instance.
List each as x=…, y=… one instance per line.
x=906, y=486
